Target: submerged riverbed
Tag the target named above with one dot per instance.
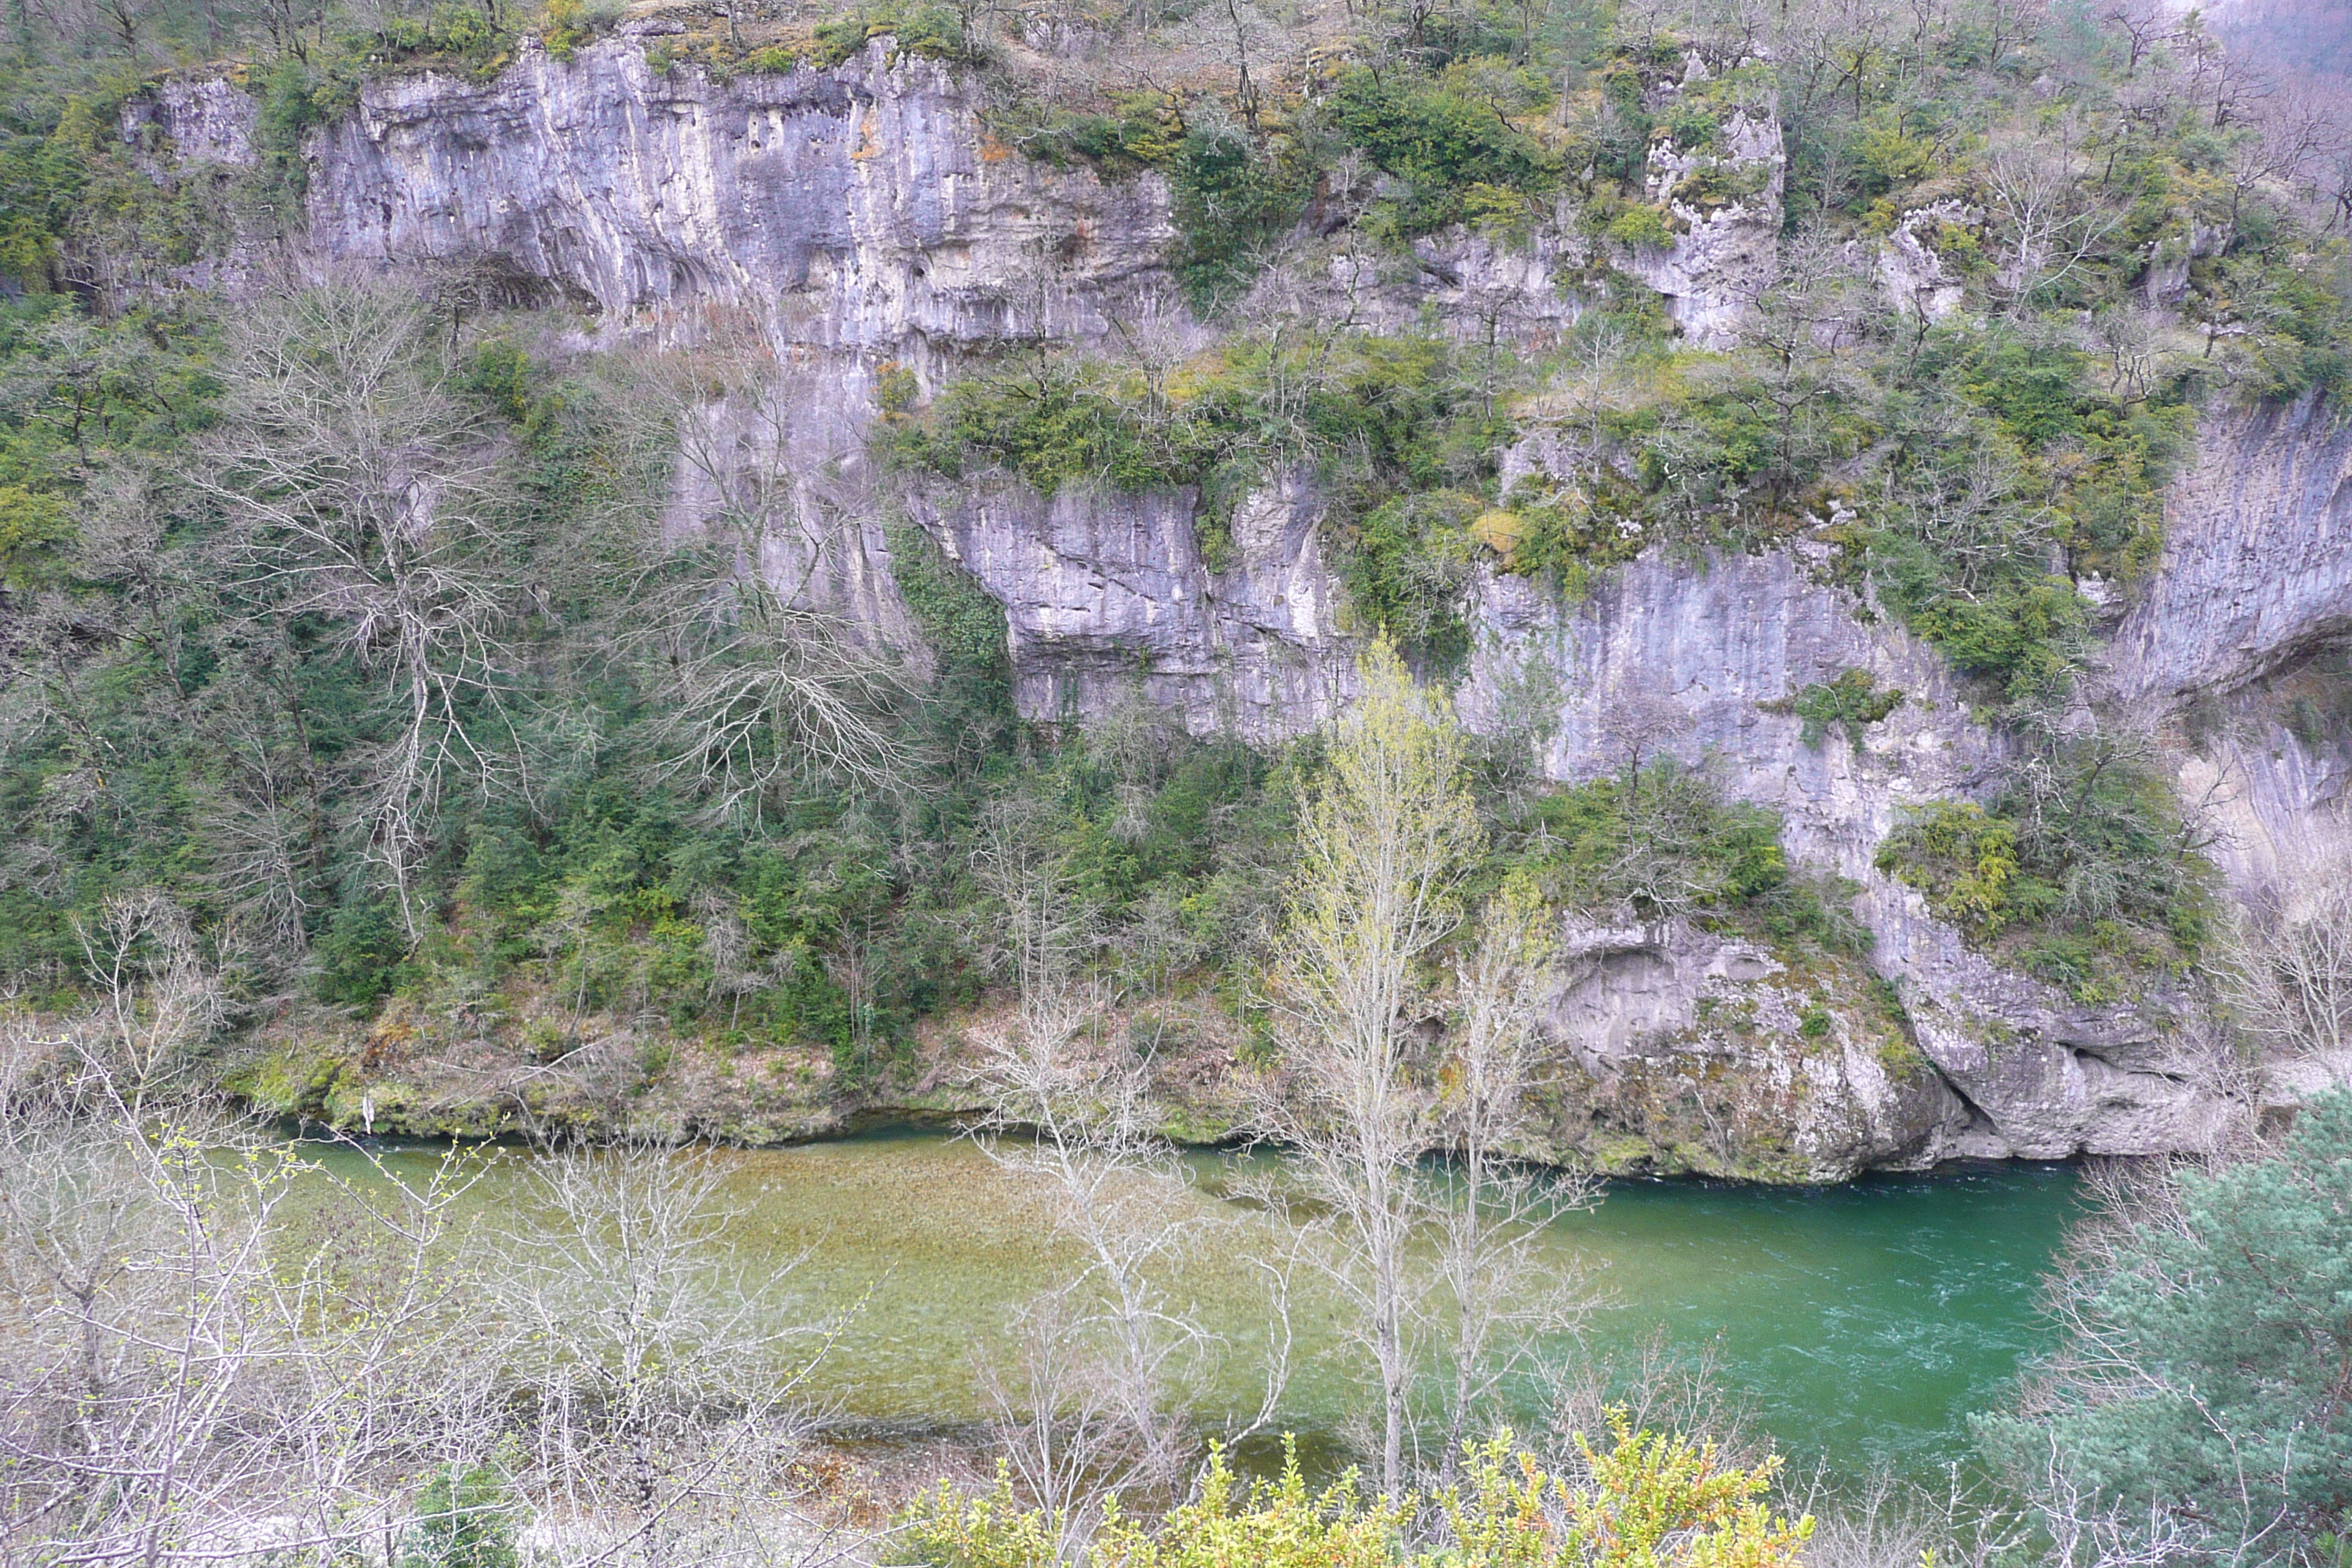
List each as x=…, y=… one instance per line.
x=1862, y=1323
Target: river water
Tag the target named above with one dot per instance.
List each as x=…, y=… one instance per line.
x=1861, y=1324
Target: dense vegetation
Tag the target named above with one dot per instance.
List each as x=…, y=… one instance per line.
x=517, y=807
x=435, y=781
x=352, y=681
x=1645, y=1497
x=2201, y=1382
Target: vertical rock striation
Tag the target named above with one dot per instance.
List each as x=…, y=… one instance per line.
x=853, y=218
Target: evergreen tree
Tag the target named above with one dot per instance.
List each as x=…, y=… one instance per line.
x=2204, y=1387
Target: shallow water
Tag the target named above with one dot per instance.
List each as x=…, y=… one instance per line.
x=1863, y=1323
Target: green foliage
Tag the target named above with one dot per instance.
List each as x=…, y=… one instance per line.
x=1569, y=530
x=1410, y=571
x=935, y=32
x=2202, y=1383
x=1646, y=1500
x=1665, y=843
x=566, y=24
x=1639, y=224
x=1232, y=202
x=2085, y=865
x=459, y=35
x=463, y=1520
x=1065, y=423
x=1850, y=703
x=1440, y=142
x=1397, y=429
x=602, y=888
x=1966, y=861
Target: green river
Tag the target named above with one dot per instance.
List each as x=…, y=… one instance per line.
x=1859, y=1323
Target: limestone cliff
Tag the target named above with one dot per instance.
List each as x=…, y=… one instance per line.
x=861, y=217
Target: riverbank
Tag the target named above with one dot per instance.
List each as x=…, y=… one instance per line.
x=427, y=1070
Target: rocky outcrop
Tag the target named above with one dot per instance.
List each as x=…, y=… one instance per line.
x=1912, y=272
x=1723, y=640
x=1107, y=595
x=840, y=222
x=2253, y=591
x=1725, y=207
x=856, y=209
x=190, y=121
x=1691, y=1052
x=2257, y=565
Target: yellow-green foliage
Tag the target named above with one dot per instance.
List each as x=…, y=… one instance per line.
x=1647, y=1500
x=1650, y=1500
x=1963, y=859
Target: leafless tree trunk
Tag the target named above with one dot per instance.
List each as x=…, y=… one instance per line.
x=1505, y=1295
x=362, y=491
x=663, y=1367
x=194, y=1365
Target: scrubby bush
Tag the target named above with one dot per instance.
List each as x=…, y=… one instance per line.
x=1439, y=144
x=1664, y=843
x=934, y=31
x=1850, y=703
x=1645, y=1499
x=2085, y=869
x=463, y=1520
x=2196, y=1404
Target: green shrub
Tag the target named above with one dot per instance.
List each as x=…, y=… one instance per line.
x=1231, y=203
x=1569, y=530
x=2084, y=859
x=1640, y=224
x=1966, y=862
x=1408, y=571
x=362, y=955
x=932, y=31
x=772, y=60
x=2200, y=1389
x=463, y=1520
x=1850, y=702
x=1644, y=1499
x=1665, y=843
x=566, y=24
x=1439, y=144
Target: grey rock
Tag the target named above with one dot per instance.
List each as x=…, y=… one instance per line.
x=849, y=218
x=2257, y=563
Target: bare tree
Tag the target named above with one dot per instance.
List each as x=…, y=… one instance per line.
x=1384, y=843
x=1505, y=1294
x=2287, y=970
x=362, y=491
x=158, y=998
x=765, y=685
x=2043, y=215
x=191, y=1365
x=1451, y=1284
x=664, y=1367
x=1093, y=1406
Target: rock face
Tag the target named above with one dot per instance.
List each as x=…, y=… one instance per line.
x=1106, y=593
x=1722, y=260
x=2256, y=581
x=840, y=222
x=2257, y=562
x=854, y=210
x=1911, y=272
x=1688, y=1052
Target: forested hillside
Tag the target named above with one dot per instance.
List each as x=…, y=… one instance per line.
x=547, y=760
x=1482, y=593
